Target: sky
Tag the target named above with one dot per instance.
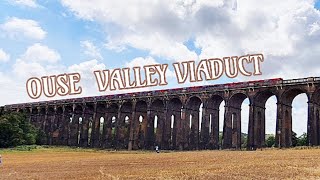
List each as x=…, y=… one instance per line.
x=42, y=37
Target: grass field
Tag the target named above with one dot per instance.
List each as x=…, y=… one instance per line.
x=67, y=163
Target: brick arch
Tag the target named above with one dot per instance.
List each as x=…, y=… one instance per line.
x=86, y=125
x=66, y=129
x=175, y=104
x=157, y=105
x=193, y=102
x=173, y=124
x=284, y=117
x=288, y=96
x=211, y=118
x=237, y=99
x=126, y=107
x=78, y=109
x=123, y=126
x=156, y=118
x=110, y=123
x=34, y=117
x=42, y=110
x=49, y=114
x=57, y=126
x=75, y=125
x=140, y=128
x=112, y=108
x=232, y=122
x=262, y=97
x=98, y=127
x=141, y=106
x=257, y=122
x=191, y=123
x=214, y=101
x=41, y=118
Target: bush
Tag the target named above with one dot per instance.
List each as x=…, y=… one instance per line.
x=299, y=141
x=16, y=130
x=302, y=140
x=270, y=141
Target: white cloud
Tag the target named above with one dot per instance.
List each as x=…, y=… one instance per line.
x=28, y=3
x=28, y=69
x=16, y=28
x=91, y=50
x=10, y=90
x=88, y=82
x=159, y=46
x=40, y=53
x=4, y=57
x=289, y=35
x=140, y=61
x=86, y=68
x=38, y=60
x=153, y=29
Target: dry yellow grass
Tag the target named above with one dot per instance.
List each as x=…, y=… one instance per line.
x=60, y=163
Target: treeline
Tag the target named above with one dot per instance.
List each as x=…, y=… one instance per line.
x=16, y=130
x=271, y=140
x=296, y=141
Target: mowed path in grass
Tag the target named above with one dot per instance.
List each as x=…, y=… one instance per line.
x=58, y=163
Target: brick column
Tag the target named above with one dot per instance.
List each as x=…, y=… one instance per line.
x=132, y=126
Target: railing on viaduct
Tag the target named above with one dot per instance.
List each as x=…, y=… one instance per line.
x=170, y=118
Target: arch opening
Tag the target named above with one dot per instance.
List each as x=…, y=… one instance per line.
x=101, y=125
x=215, y=105
x=235, y=136
x=270, y=116
x=174, y=116
x=194, y=124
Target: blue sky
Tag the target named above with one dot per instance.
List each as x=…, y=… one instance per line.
x=42, y=37
x=317, y=4
x=65, y=31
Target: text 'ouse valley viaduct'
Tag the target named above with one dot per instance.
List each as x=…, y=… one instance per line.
x=170, y=118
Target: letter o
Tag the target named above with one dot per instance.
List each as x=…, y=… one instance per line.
x=34, y=88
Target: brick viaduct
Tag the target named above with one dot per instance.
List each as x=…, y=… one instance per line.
x=127, y=121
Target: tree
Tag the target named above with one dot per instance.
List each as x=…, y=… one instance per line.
x=294, y=139
x=303, y=140
x=270, y=141
x=244, y=138
x=16, y=130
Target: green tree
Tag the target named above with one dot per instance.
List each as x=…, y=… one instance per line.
x=16, y=130
x=270, y=141
x=294, y=139
x=302, y=140
x=244, y=139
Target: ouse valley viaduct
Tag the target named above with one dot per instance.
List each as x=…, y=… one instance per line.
x=170, y=118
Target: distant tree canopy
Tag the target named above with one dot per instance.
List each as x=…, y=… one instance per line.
x=299, y=141
x=16, y=130
x=296, y=141
x=270, y=141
